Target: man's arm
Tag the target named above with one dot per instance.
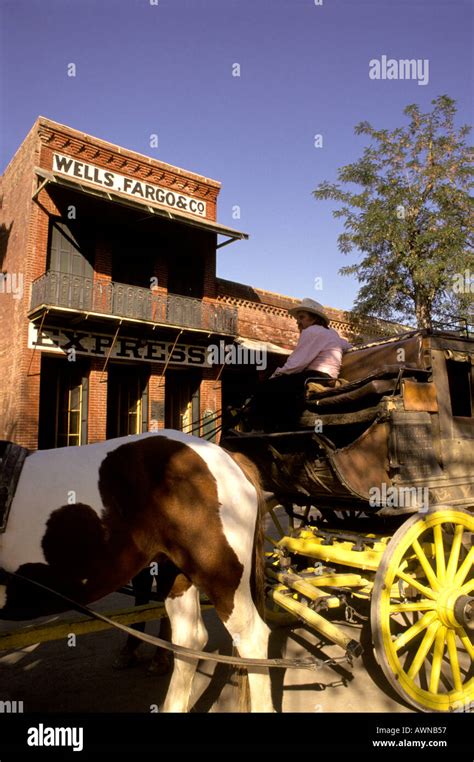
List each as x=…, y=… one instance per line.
x=301, y=356
x=345, y=345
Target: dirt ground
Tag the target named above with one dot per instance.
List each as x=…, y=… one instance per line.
x=56, y=677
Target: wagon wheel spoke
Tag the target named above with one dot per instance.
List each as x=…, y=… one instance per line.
x=453, y=659
x=438, y=654
x=426, y=621
x=424, y=648
x=467, y=588
x=465, y=568
x=454, y=555
x=413, y=582
x=423, y=605
x=425, y=565
x=276, y=522
x=466, y=643
x=439, y=553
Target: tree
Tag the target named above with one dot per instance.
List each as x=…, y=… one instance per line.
x=412, y=219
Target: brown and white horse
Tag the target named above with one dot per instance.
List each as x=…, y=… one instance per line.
x=85, y=520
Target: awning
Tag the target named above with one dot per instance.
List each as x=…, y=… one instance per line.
x=261, y=346
x=121, y=198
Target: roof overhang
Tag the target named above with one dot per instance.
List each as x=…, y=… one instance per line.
x=47, y=177
x=261, y=346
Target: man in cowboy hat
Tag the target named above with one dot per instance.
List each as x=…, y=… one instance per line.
x=318, y=354
x=319, y=348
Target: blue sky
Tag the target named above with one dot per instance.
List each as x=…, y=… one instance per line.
x=167, y=69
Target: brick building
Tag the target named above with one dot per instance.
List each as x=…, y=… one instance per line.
x=109, y=298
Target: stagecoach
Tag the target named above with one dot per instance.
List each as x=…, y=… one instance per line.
x=377, y=481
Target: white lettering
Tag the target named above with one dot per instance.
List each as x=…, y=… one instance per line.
x=236, y=354
x=116, y=182
x=403, y=68
x=400, y=355
x=399, y=497
x=12, y=283
x=48, y=736
x=11, y=707
x=374, y=69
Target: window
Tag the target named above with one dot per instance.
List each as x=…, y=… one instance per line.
x=63, y=404
x=182, y=400
x=460, y=388
x=127, y=400
x=68, y=252
x=69, y=431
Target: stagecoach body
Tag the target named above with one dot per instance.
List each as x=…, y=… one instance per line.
x=401, y=422
x=377, y=479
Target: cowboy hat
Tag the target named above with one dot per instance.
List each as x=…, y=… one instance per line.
x=309, y=305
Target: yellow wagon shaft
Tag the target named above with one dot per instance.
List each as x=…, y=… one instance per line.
x=420, y=584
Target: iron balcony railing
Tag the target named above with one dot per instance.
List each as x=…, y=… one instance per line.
x=76, y=292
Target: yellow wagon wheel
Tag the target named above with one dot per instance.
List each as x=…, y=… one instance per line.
x=422, y=611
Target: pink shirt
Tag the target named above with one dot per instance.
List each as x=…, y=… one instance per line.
x=318, y=348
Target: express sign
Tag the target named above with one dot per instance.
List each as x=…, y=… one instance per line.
x=71, y=342
x=139, y=189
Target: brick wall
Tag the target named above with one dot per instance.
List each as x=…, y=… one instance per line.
x=161, y=272
x=263, y=315
x=156, y=398
x=211, y=391
x=23, y=227
x=209, y=254
x=97, y=414
x=102, y=260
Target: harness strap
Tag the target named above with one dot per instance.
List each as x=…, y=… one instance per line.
x=312, y=663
